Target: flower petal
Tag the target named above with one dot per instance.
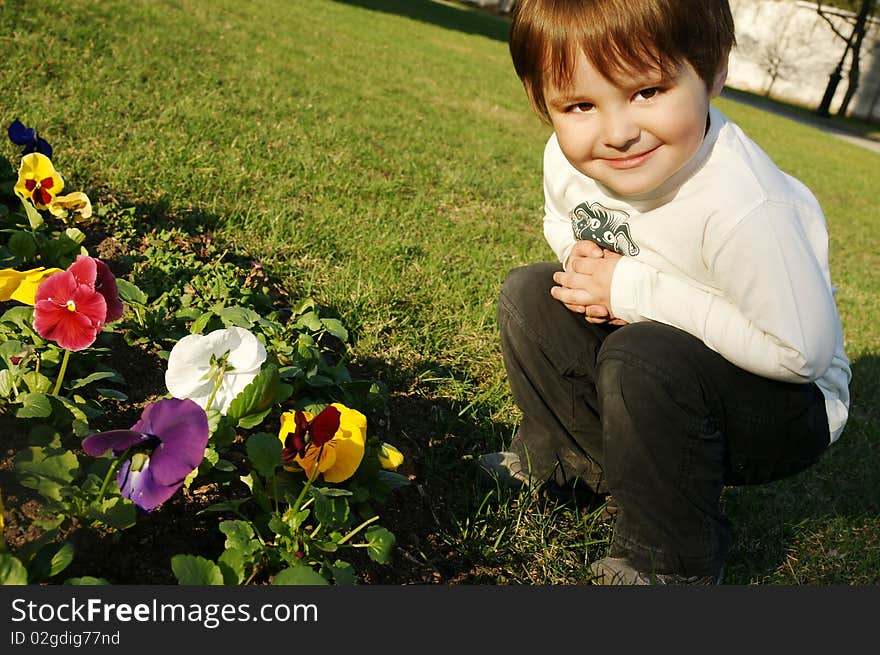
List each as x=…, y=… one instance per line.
x=99, y=443
x=246, y=352
x=70, y=330
x=389, y=457
x=36, y=171
x=349, y=453
x=105, y=284
x=27, y=289
x=19, y=134
x=188, y=364
x=84, y=270
x=10, y=279
x=142, y=488
x=182, y=427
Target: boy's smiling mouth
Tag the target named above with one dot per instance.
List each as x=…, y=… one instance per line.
x=630, y=161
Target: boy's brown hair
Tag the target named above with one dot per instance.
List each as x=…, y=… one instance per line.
x=618, y=37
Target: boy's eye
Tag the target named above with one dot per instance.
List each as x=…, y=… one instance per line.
x=581, y=107
x=647, y=94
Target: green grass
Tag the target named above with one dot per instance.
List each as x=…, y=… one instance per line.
x=381, y=157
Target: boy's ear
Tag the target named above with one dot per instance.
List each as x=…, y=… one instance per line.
x=720, y=79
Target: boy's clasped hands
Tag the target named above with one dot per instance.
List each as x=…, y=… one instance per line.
x=585, y=285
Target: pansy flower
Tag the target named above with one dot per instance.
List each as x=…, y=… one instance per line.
x=164, y=446
x=28, y=137
x=336, y=458
x=22, y=285
x=76, y=205
x=38, y=181
x=389, y=457
x=215, y=367
x=68, y=313
x=72, y=306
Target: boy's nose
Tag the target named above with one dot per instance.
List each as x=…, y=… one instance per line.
x=619, y=130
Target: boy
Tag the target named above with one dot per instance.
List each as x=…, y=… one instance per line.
x=690, y=339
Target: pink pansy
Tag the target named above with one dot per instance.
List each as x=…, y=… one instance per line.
x=72, y=306
x=68, y=313
x=96, y=274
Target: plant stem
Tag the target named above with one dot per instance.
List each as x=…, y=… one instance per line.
x=216, y=387
x=309, y=481
x=61, y=373
x=109, y=474
x=357, y=529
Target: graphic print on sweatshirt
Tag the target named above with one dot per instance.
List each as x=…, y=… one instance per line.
x=606, y=227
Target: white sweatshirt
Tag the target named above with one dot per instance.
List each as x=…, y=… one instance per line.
x=730, y=249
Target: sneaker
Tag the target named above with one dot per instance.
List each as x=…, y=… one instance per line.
x=618, y=571
x=506, y=468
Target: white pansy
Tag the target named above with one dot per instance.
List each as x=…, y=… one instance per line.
x=196, y=364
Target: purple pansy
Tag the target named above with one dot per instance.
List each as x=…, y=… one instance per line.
x=167, y=444
x=28, y=137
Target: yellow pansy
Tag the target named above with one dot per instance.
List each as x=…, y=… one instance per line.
x=38, y=181
x=389, y=457
x=22, y=285
x=76, y=204
x=341, y=456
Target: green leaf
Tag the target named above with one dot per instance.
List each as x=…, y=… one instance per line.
x=264, y=453
x=118, y=512
x=239, y=535
x=112, y=393
x=343, y=573
x=226, y=506
x=331, y=511
x=238, y=316
x=199, y=324
x=380, y=541
x=129, y=292
x=10, y=349
x=196, y=570
x=35, y=219
x=34, y=405
x=310, y=320
x=12, y=571
x=232, y=563
x=37, y=382
x=6, y=380
x=93, y=377
x=298, y=574
x=75, y=234
x=46, y=469
x=51, y=560
x=335, y=327
x=86, y=580
x=392, y=479
x=21, y=316
x=261, y=394
x=22, y=245
x=253, y=420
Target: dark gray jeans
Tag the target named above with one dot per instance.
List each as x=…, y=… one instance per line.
x=651, y=415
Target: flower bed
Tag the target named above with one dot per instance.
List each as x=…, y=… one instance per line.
x=253, y=410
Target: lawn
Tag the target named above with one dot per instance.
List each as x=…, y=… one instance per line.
x=381, y=159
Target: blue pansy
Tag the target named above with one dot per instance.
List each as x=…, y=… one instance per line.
x=21, y=135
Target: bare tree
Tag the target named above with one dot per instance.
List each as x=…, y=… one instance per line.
x=853, y=42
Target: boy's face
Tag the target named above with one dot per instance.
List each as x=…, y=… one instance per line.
x=630, y=137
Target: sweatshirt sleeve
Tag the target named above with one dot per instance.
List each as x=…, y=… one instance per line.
x=557, y=222
x=773, y=311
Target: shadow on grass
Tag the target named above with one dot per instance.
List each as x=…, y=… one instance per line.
x=820, y=513
x=470, y=21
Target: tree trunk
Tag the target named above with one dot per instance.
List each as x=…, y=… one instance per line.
x=858, y=36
